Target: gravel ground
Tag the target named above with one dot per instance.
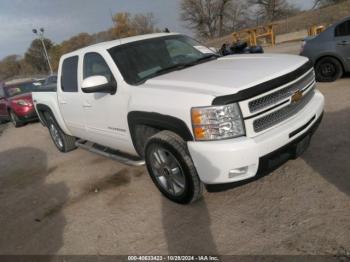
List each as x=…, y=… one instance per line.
x=80, y=203
x=2, y=128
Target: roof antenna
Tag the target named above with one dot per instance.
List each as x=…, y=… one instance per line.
x=166, y=30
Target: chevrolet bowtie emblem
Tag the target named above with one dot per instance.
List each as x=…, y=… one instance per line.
x=297, y=96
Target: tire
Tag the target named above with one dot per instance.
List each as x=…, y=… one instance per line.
x=171, y=168
x=14, y=119
x=328, y=69
x=63, y=142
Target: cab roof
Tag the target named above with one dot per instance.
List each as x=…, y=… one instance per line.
x=113, y=43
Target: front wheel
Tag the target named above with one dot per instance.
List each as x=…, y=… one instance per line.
x=328, y=69
x=171, y=168
x=14, y=119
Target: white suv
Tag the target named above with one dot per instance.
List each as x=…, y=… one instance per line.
x=192, y=116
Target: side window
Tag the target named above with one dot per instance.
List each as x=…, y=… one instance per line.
x=2, y=93
x=95, y=65
x=69, y=78
x=343, y=29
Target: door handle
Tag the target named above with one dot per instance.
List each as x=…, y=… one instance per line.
x=343, y=43
x=87, y=105
x=62, y=102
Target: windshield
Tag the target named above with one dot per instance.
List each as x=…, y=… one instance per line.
x=141, y=60
x=19, y=89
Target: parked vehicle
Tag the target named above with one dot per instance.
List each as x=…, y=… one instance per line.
x=16, y=104
x=330, y=51
x=51, y=80
x=192, y=116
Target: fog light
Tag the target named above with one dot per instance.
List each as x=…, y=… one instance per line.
x=237, y=172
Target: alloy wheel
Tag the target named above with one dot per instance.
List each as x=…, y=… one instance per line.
x=168, y=171
x=55, y=136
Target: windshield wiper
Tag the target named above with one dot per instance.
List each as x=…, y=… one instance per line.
x=178, y=67
x=163, y=71
x=170, y=68
x=205, y=58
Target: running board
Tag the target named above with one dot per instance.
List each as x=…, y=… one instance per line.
x=110, y=153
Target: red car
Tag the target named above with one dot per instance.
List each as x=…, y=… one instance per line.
x=16, y=103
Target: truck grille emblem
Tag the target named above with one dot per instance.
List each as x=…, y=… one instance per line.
x=297, y=96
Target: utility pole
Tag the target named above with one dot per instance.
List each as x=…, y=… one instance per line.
x=40, y=34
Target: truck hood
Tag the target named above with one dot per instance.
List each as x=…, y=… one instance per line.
x=229, y=74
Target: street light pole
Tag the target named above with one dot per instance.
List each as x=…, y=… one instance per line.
x=41, y=37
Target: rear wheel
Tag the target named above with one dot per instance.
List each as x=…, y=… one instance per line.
x=328, y=69
x=171, y=168
x=14, y=119
x=63, y=142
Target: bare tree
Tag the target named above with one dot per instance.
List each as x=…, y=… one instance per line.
x=201, y=16
x=273, y=9
x=144, y=23
x=222, y=5
x=237, y=16
x=321, y=3
x=212, y=18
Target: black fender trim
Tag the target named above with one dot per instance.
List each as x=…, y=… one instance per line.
x=42, y=108
x=263, y=87
x=158, y=121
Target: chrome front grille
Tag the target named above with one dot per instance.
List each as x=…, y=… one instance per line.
x=282, y=114
x=281, y=94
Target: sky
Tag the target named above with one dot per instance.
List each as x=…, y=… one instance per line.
x=63, y=19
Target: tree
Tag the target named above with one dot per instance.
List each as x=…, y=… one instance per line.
x=272, y=10
x=35, y=55
x=237, y=17
x=74, y=43
x=122, y=25
x=9, y=67
x=144, y=24
x=55, y=54
x=212, y=18
x=201, y=16
x=321, y=3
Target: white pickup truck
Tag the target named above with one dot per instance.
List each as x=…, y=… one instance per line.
x=193, y=117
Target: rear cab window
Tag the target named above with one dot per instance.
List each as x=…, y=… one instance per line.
x=69, y=74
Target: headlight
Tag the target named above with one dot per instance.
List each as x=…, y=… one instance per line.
x=217, y=122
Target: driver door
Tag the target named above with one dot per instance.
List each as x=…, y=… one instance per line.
x=105, y=115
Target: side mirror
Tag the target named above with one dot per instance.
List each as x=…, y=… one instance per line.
x=98, y=84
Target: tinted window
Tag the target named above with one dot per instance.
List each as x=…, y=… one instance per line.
x=95, y=65
x=343, y=29
x=69, y=78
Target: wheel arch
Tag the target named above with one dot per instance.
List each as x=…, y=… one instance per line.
x=154, y=122
x=41, y=109
x=332, y=55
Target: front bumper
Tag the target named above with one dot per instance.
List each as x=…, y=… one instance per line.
x=233, y=160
